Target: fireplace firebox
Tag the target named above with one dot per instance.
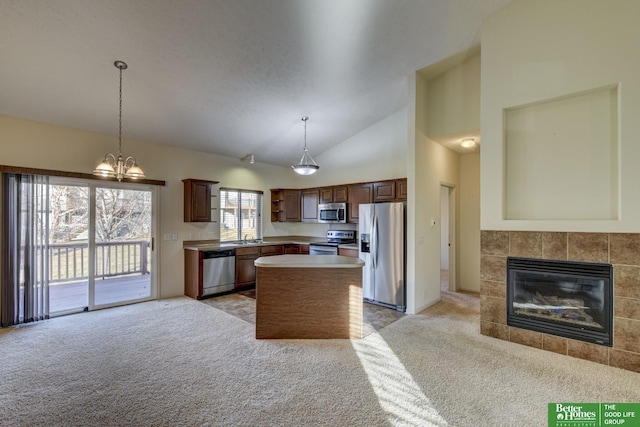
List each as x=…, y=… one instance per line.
x=563, y=298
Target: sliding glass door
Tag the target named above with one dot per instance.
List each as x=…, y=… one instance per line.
x=112, y=225
x=68, y=248
x=122, y=245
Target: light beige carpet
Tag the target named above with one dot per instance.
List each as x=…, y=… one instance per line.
x=179, y=362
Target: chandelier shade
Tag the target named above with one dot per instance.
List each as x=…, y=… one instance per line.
x=119, y=167
x=307, y=165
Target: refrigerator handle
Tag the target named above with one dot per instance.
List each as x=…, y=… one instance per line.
x=374, y=242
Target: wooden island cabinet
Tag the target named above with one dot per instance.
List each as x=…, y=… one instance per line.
x=306, y=296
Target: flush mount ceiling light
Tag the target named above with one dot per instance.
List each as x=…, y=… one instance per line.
x=307, y=165
x=468, y=143
x=119, y=167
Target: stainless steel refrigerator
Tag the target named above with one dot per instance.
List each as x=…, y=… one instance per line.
x=382, y=247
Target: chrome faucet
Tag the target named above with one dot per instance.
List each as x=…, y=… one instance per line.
x=245, y=239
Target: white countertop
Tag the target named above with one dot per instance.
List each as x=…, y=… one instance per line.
x=309, y=261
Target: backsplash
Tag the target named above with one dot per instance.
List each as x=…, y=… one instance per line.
x=622, y=250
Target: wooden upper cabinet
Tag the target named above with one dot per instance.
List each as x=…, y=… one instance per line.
x=302, y=205
x=335, y=194
x=340, y=194
x=310, y=200
x=358, y=194
x=277, y=205
x=401, y=189
x=291, y=205
x=197, y=200
x=285, y=205
x=384, y=191
x=326, y=195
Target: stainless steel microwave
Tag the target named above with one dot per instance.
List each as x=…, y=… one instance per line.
x=332, y=212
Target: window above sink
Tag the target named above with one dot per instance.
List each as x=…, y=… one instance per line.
x=240, y=216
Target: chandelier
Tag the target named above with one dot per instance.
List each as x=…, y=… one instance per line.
x=307, y=165
x=119, y=167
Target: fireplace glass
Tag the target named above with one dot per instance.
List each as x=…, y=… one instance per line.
x=568, y=299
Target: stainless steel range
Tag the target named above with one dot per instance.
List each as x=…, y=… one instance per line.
x=334, y=239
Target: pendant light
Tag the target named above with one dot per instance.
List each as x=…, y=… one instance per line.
x=119, y=167
x=307, y=165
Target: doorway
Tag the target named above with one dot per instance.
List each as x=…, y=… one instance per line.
x=100, y=245
x=447, y=238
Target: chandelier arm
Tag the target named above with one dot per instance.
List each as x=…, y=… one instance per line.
x=129, y=162
x=111, y=159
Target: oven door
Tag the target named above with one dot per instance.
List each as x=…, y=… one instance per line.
x=323, y=250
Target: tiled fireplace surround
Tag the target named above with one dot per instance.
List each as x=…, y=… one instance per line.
x=620, y=249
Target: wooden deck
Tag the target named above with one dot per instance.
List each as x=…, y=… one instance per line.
x=75, y=295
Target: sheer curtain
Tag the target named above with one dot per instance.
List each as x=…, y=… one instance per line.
x=25, y=249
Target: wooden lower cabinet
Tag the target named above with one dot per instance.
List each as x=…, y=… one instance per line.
x=245, y=259
x=271, y=250
x=348, y=252
x=291, y=249
x=296, y=250
x=245, y=268
x=193, y=274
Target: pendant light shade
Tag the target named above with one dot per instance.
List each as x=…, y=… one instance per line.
x=307, y=165
x=119, y=167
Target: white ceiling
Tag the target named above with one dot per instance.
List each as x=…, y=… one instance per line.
x=229, y=77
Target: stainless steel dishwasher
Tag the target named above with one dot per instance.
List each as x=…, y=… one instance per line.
x=218, y=271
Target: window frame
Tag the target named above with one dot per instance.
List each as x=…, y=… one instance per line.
x=259, y=195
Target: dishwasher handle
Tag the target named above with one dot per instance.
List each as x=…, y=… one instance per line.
x=218, y=254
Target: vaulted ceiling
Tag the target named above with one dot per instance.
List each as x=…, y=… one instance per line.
x=230, y=77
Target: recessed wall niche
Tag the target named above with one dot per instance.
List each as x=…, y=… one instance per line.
x=561, y=158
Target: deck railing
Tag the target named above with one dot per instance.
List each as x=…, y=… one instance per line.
x=70, y=261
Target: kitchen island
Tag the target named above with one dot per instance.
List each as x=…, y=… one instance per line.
x=308, y=296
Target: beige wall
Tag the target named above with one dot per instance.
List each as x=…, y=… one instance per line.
x=453, y=104
x=451, y=108
x=468, y=247
x=376, y=153
x=39, y=145
x=535, y=50
x=379, y=152
x=431, y=166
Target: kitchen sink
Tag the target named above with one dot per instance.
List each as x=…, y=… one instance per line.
x=243, y=242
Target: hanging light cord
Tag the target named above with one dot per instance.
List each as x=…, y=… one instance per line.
x=304, y=119
x=120, y=122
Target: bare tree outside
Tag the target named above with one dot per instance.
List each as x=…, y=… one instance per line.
x=68, y=213
x=120, y=214
x=122, y=232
